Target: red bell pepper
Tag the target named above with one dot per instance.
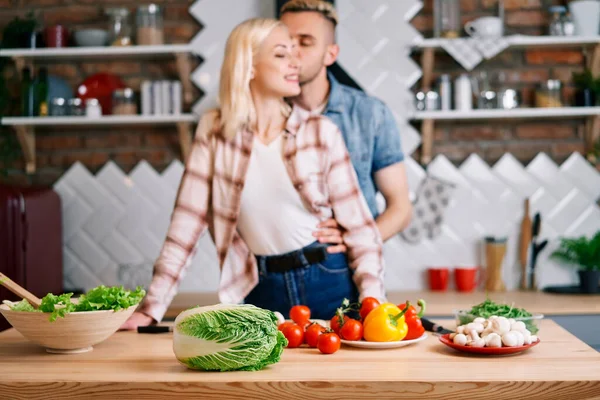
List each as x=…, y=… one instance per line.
x=413, y=320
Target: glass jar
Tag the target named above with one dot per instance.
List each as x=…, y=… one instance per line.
x=123, y=102
x=568, y=25
x=58, y=107
x=446, y=14
x=92, y=108
x=119, y=28
x=548, y=94
x=556, y=27
x=75, y=106
x=149, y=22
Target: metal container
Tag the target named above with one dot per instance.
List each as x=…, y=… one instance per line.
x=58, y=107
x=508, y=99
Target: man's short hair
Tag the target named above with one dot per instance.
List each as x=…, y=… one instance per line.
x=322, y=7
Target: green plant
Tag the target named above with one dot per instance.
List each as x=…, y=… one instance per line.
x=581, y=252
x=584, y=80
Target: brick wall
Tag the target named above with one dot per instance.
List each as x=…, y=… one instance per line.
x=59, y=148
x=524, y=69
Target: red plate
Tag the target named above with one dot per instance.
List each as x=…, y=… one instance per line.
x=485, y=350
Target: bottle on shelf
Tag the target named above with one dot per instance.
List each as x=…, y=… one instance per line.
x=41, y=93
x=27, y=94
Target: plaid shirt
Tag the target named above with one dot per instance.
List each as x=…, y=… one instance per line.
x=209, y=196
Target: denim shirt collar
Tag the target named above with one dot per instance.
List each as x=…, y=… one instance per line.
x=336, y=96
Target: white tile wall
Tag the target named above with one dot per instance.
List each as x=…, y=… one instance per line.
x=115, y=235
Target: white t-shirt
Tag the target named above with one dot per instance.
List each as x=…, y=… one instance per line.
x=273, y=220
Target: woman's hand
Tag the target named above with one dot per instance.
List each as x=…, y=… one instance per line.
x=136, y=319
x=330, y=232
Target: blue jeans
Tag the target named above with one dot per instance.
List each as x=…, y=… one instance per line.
x=321, y=286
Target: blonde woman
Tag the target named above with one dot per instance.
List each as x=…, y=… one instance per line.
x=260, y=178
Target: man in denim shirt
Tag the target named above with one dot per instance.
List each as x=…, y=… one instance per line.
x=369, y=129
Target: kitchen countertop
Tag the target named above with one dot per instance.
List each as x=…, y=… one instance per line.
x=131, y=365
x=442, y=304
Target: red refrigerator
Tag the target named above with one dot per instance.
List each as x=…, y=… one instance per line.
x=30, y=241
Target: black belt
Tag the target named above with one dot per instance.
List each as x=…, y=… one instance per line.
x=293, y=260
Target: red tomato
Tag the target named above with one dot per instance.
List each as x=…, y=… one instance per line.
x=328, y=343
x=367, y=305
x=335, y=323
x=351, y=330
x=294, y=334
x=300, y=315
x=312, y=334
x=284, y=325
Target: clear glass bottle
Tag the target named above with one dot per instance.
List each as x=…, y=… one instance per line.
x=447, y=23
x=119, y=28
x=149, y=23
x=568, y=25
x=123, y=102
x=549, y=94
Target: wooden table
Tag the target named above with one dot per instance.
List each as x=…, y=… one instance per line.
x=443, y=304
x=137, y=366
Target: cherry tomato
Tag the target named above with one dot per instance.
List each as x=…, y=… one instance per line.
x=335, y=323
x=294, y=334
x=351, y=330
x=328, y=343
x=300, y=315
x=367, y=305
x=312, y=334
x=281, y=327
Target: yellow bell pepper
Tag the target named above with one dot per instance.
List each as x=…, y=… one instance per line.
x=385, y=324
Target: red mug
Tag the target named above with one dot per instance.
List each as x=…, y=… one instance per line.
x=467, y=279
x=438, y=278
x=56, y=36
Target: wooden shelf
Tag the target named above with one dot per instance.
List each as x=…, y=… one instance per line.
x=524, y=41
x=167, y=50
x=104, y=120
x=569, y=112
x=25, y=129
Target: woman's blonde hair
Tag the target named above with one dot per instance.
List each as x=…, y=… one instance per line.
x=235, y=100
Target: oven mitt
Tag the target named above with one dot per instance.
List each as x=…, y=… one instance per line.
x=433, y=197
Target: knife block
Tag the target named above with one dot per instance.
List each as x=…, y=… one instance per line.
x=495, y=250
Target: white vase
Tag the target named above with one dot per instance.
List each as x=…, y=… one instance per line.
x=586, y=15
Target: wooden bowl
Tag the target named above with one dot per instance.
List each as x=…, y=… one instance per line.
x=77, y=332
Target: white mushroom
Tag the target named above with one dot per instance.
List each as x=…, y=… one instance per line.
x=518, y=326
x=476, y=341
x=512, y=321
x=487, y=332
x=460, y=339
x=520, y=338
x=493, y=340
x=534, y=338
x=510, y=339
x=527, y=337
x=477, y=326
x=460, y=329
x=501, y=325
x=452, y=335
x=479, y=320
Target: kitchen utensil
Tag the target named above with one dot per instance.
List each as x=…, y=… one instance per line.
x=76, y=332
x=438, y=278
x=433, y=327
x=524, y=244
x=446, y=15
x=363, y=344
x=537, y=249
x=20, y=291
x=495, y=249
x=498, y=351
x=467, y=279
x=485, y=28
x=586, y=15
x=91, y=37
x=154, y=329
